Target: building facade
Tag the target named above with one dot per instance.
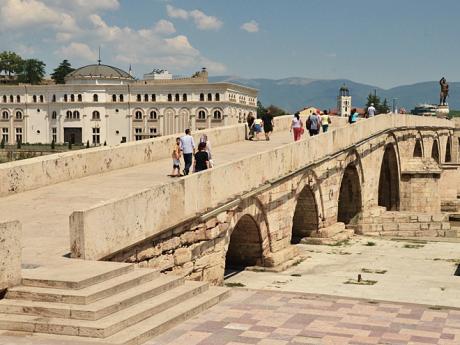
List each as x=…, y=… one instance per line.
x=344, y=101
x=103, y=104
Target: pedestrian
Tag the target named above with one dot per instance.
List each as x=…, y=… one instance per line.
x=204, y=139
x=176, y=153
x=267, y=119
x=314, y=123
x=250, y=121
x=257, y=126
x=325, y=121
x=201, y=158
x=353, y=116
x=188, y=149
x=297, y=126
x=371, y=110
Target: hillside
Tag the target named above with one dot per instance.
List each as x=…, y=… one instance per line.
x=295, y=93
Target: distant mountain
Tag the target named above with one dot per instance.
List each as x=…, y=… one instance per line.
x=293, y=94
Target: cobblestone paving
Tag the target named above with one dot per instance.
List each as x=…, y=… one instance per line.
x=275, y=318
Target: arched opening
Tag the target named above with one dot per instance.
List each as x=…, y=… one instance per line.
x=389, y=180
x=305, y=219
x=448, y=154
x=435, y=151
x=350, y=202
x=245, y=247
x=418, y=149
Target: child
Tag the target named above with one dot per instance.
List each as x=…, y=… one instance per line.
x=176, y=153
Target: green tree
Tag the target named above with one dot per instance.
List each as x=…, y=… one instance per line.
x=276, y=111
x=61, y=71
x=373, y=99
x=10, y=62
x=384, y=108
x=261, y=111
x=32, y=71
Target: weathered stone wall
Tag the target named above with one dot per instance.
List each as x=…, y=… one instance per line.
x=10, y=254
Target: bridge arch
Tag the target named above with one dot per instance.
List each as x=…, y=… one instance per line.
x=247, y=237
x=435, y=151
x=309, y=208
x=389, y=191
x=448, y=156
x=350, y=194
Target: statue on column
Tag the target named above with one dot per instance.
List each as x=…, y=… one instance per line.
x=444, y=91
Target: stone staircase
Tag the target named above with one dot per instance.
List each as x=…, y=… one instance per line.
x=106, y=302
x=330, y=235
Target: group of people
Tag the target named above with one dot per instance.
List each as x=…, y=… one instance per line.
x=315, y=122
x=198, y=160
x=259, y=125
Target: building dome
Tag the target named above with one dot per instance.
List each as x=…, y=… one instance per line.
x=99, y=73
x=344, y=88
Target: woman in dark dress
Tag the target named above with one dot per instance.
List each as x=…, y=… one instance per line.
x=201, y=158
x=268, y=124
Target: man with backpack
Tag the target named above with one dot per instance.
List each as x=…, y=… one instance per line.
x=314, y=123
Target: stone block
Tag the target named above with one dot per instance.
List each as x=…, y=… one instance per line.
x=213, y=233
x=438, y=217
x=149, y=253
x=435, y=226
x=170, y=244
x=390, y=227
x=182, y=255
x=211, y=223
x=10, y=254
x=408, y=226
x=222, y=217
x=424, y=218
x=445, y=225
x=214, y=275
x=183, y=270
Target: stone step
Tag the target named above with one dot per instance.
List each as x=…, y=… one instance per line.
x=74, y=274
x=159, y=323
x=110, y=324
x=86, y=295
x=96, y=310
x=339, y=237
x=329, y=231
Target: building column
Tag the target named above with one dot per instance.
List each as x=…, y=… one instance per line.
x=161, y=124
x=192, y=122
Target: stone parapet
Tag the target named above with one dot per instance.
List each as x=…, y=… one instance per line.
x=10, y=254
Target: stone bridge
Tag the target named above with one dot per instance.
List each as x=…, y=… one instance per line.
x=382, y=176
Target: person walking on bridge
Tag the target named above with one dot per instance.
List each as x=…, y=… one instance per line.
x=267, y=119
x=297, y=126
x=325, y=121
x=187, y=146
x=371, y=111
x=201, y=159
x=314, y=123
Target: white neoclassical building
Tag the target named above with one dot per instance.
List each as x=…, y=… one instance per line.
x=100, y=103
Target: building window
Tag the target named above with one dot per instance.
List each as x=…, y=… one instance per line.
x=18, y=115
x=12, y=99
x=96, y=115
x=153, y=115
x=54, y=98
x=139, y=98
x=121, y=98
x=177, y=97
x=72, y=98
x=5, y=135
x=217, y=97
x=153, y=132
x=65, y=97
x=18, y=99
x=34, y=99
x=138, y=115
x=217, y=115
x=76, y=115
x=54, y=134
x=5, y=115
x=95, y=98
x=54, y=115
x=209, y=97
x=80, y=98
x=42, y=99
x=169, y=98
x=146, y=98
x=154, y=98
x=201, y=115
x=96, y=136
x=19, y=135
x=201, y=97
x=184, y=97
x=4, y=99
x=114, y=98
x=138, y=133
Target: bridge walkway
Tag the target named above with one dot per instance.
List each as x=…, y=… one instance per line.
x=44, y=212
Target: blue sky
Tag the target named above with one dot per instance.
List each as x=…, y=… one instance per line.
x=383, y=43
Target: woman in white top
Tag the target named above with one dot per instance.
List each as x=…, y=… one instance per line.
x=297, y=126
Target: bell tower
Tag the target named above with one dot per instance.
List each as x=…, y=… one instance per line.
x=344, y=101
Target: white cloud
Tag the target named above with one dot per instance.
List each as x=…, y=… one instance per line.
x=77, y=50
x=251, y=26
x=164, y=27
x=93, y=5
x=201, y=19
